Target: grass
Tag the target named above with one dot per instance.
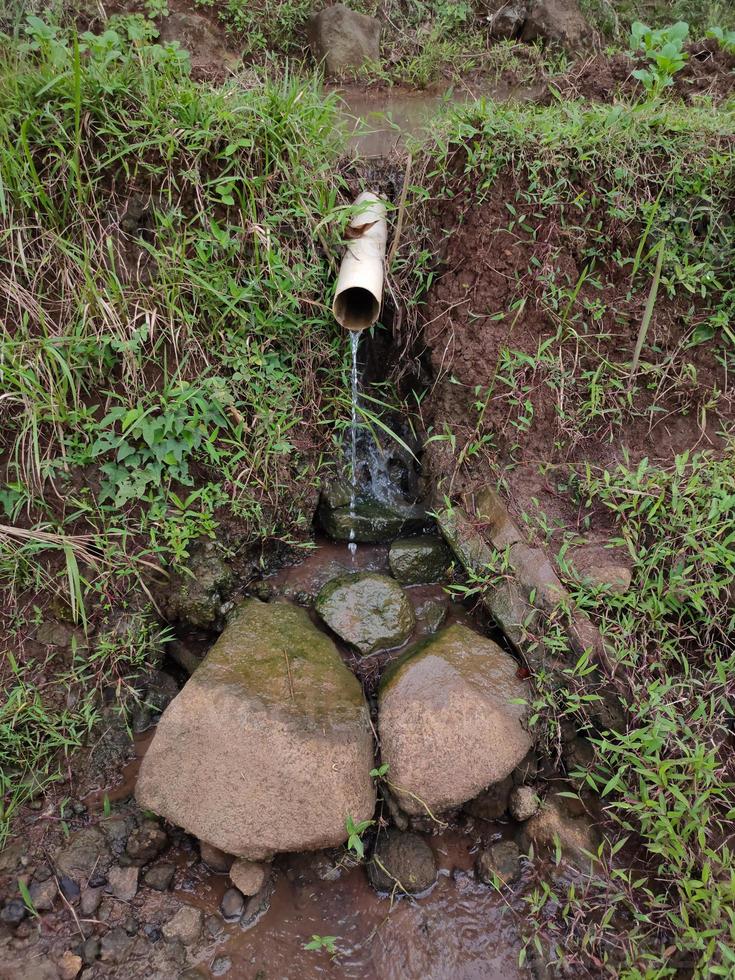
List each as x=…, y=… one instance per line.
x=643, y=191
x=168, y=362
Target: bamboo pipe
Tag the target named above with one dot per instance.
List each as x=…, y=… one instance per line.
x=359, y=293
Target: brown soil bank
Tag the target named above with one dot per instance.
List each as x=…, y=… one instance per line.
x=548, y=238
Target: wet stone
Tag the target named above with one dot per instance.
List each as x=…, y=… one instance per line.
x=185, y=926
x=114, y=945
x=221, y=965
x=124, y=883
x=13, y=912
x=523, y=803
x=374, y=523
x=90, y=950
x=146, y=842
x=214, y=858
x=247, y=876
x=69, y=888
x=91, y=898
x=403, y=861
x=43, y=894
x=85, y=851
x=367, y=610
x=232, y=904
x=501, y=862
x=419, y=561
x=431, y=614
x=69, y=965
x=160, y=876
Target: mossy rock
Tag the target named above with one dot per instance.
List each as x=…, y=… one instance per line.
x=367, y=610
x=419, y=561
x=372, y=522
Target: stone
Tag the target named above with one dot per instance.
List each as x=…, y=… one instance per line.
x=418, y=561
x=69, y=888
x=116, y=829
x=69, y=965
x=489, y=505
x=558, y=22
x=247, y=876
x=196, y=596
x=576, y=835
x=91, y=898
x=611, y=578
x=146, y=842
x=501, y=861
x=12, y=857
x=431, y=614
x=124, y=883
x=507, y=18
x=221, y=965
x=401, y=860
x=185, y=925
x=182, y=655
x=90, y=950
x=257, y=906
x=232, y=904
x=214, y=858
x=13, y=912
x=85, y=851
x=523, y=803
x=159, y=877
x=43, y=894
x=342, y=38
x=194, y=33
x=115, y=945
x=372, y=522
x=268, y=747
x=492, y=804
x=450, y=725
x=367, y=610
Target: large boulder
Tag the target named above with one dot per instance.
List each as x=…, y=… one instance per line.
x=450, y=722
x=268, y=747
x=343, y=39
x=558, y=22
x=367, y=610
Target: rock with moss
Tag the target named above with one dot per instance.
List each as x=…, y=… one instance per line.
x=372, y=522
x=419, y=561
x=343, y=39
x=451, y=721
x=367, y=610
x=197, y=595
x=402, y=861
x=268, y=747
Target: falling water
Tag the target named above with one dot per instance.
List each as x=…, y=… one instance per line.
x=354, y=342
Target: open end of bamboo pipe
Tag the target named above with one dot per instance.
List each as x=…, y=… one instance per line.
x=356, y=308
x=359, y=293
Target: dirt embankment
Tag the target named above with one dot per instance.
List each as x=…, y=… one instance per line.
x=530, y=344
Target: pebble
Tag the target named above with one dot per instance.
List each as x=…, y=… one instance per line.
x=523, y=803
x=152, y=932
x=69, y=888
x=221, y=965
x=232, y=904
x=13, y=912
x=124, y=883
x=69, y=965
x=501, y=861
x=214, y=858
x=91, y=898
x=90, y=950
x=160, y=876
x=185, y=925
x=114, y=945
x=247, y=876
x=43, y=894
x=146, y=842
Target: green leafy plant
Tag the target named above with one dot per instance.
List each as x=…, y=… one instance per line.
x=725, y=38
x=355, y=833
x=326, y=943
x=664, y=49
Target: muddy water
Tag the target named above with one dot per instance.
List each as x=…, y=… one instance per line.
x=460, y=930
x=378, y=122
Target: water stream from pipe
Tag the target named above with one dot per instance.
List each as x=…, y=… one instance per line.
x=354, y=343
